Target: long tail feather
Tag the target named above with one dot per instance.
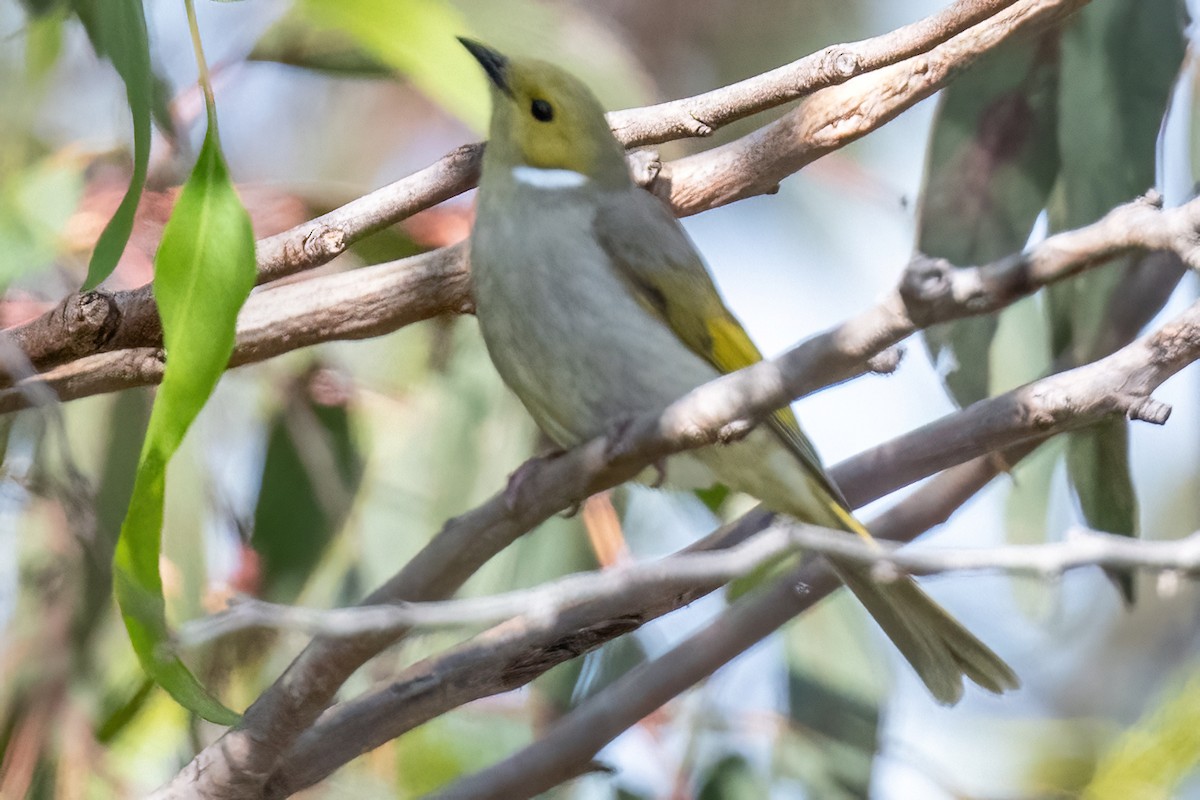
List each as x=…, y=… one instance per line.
x=939, y=647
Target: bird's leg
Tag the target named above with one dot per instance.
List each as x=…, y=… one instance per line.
x=660, y=474
x=617, y=446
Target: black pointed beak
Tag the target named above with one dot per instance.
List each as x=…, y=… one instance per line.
x=494, y=64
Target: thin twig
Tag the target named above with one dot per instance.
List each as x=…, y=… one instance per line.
x=691, y=571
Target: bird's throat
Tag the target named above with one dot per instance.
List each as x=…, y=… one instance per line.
x=549, y=178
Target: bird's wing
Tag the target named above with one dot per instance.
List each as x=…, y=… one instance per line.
x=649, y=248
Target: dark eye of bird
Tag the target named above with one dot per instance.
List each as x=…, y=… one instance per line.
x=542, y=111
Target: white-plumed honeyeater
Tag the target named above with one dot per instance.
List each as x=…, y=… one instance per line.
x=595, y=306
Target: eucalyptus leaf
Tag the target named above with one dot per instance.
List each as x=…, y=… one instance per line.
x=204, y=271
x=417, y=39
x=1100, y=454
x=117, y=29
x=991, y=165
x=1119, y=62
x=309, y=478
x=295, y=41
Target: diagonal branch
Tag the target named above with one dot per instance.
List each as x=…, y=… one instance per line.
x=520, y=649
x=1142, y=291
x=567, y=749
x=704, y=114
x=833, y=118
x=283, y=711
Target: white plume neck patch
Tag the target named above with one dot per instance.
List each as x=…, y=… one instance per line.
x=549, y=178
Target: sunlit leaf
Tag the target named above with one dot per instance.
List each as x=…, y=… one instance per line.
x=1120, y=59
x=35, y=204
x=1152, y=758
x=416, y=38
x=204, y=271
x=992, y=162
x=295, y=41
x=43, y=43
x=117, y=29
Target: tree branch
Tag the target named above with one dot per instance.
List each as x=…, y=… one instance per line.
x=376, y=300
x=567, y=749
x=518, y=650
x=469, y=541
x=705, y=113
x=1142, y=291
x=691, y=572
x=834, y=117
x=100, y=321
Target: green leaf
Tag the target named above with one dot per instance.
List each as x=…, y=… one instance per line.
x=416, y=38
x=992, y=162
x=43, y=43
x=126, y=425
x=831, y=744
x=310, y=475
x=1098, y=463
x=293, y=40
x=1026, y=521
x=713, y=497
x=732, y=778
x=1120, y=59
x=35, y=205
x=204, y=271
x=122, y=710
x=117, y=29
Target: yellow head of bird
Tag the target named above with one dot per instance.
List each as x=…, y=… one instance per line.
x=544, y=117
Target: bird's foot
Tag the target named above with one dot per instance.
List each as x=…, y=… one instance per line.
x=617, y=442
x=734, y=431
x=512, y=490
x=660, y=474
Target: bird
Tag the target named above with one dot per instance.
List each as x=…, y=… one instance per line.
x=595, y=305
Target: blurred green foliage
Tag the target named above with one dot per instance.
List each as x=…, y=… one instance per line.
x=1152, y=758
